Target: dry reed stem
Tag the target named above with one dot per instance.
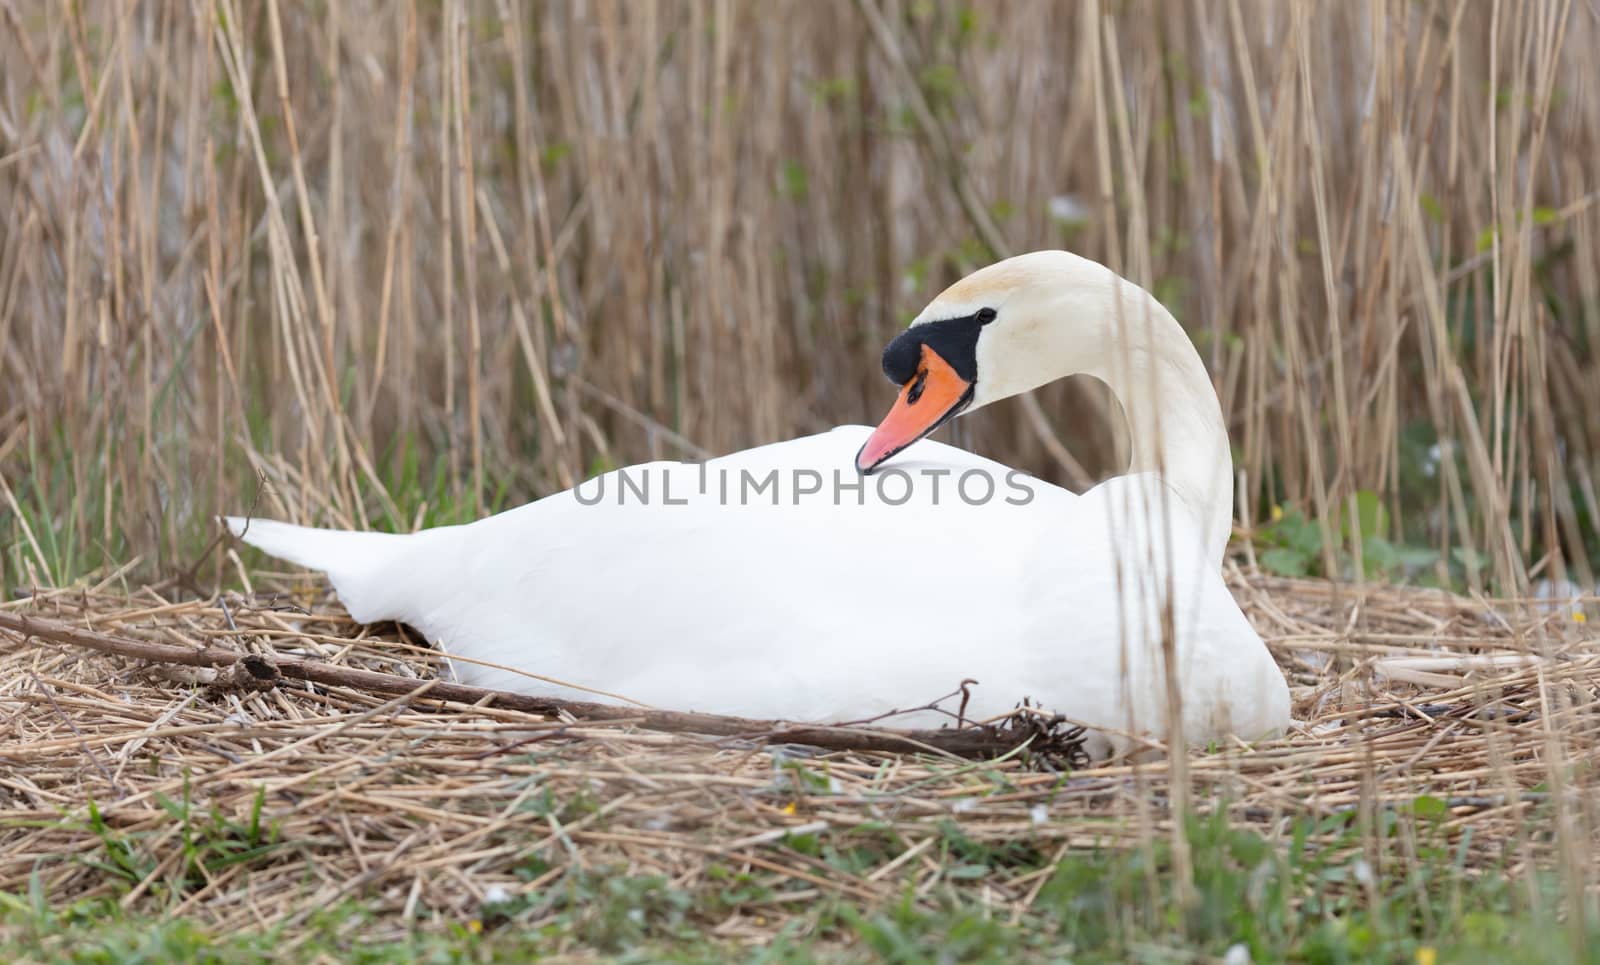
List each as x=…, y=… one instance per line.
x=509, y=241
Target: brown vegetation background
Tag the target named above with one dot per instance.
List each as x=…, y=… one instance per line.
x=416, y=261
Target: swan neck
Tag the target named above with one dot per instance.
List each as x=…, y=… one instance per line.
x=1174, y=418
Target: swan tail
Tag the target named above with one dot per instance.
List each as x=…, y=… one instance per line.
x=367, y=569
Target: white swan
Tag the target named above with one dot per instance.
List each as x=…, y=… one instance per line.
x=779, y=582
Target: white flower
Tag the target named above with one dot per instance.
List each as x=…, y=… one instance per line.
x=1558, y=595
x=1068, y=209
x=1430, y=464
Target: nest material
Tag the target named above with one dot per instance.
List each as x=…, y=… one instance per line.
x=424, y=809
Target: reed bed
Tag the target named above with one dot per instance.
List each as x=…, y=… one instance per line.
x=417, y=261
x=439, y=816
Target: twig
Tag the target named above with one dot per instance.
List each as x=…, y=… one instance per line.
x=931, y=706
x=1048, y=739
x=188, y=577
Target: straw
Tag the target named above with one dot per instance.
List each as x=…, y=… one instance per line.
x=422, y=807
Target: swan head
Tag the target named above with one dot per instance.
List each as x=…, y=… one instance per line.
x=1000, y=331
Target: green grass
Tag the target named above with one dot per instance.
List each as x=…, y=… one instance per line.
x=1294, y=900
x=73, y=545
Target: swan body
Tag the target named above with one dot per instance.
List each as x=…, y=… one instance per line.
x=781, y=582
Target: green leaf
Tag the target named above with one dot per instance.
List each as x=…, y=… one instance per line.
x=1483, y=929
x=1430, y=808
x=1372, y=518
x=1379, y=556
x=795, y=183
x=1300, y=534
x=1285, y=561
x=1416, y=557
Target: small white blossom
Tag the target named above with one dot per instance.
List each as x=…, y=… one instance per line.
x=1430, y=465
x=1067, y=208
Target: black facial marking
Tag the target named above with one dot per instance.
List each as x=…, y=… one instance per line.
x=955, y=339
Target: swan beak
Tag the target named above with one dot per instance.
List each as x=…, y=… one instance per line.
x=934, y=396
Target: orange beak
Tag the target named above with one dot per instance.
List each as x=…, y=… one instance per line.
x=933, y=397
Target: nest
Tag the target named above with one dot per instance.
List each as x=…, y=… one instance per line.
x=297, y=796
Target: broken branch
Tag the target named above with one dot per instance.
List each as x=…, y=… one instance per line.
x=1049, y=739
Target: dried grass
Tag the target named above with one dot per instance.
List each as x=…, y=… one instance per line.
x=422, y=811
x=499, y=243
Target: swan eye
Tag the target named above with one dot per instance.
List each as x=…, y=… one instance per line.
x=985, y=315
